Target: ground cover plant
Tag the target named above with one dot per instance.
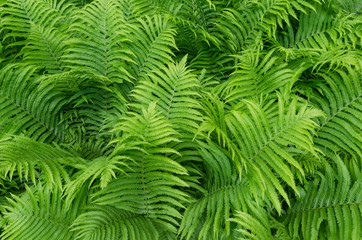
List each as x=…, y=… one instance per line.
x=180, y=119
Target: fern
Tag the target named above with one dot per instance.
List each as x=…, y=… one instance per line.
x=153, y=178
x=152, y=40
x=331, y=207
x=112, y=223
x=341, y=101
x=45, y=47
x=187, y=119
x=39, y=215
x=26, y=157
x=263, y=140
x=26, y=110
x=106, y=42
x=175, y=88
x=254, y=76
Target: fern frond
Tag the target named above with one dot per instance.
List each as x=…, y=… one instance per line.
x=28, y=108
x=27, y=157
x=244, y=26
x=152, y=41
x=339, y=95
x=109, y=223
x=102, y=168
x=320, y=31
x=252, y=227
x=151, y=187
x=256, y=74
x=175, y=88
x=331, y=207
x=261, y=142
x=98, y=41
x=91, y=109
x=44, y=48
x=39, y=215
x=66, y=8
x=18, y=16
x=206, y=217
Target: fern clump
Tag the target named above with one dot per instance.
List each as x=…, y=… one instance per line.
x=184, y=119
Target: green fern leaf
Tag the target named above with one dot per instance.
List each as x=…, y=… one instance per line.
x=331, y=208
x=109, y=223
x=39, y=215
x=151, y=186
x=28, y=108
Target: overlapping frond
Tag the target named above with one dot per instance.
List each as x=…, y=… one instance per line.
x=44, y=48
x=251, y=227
x=320, y=31
x=339, y=95
x=257, y=74
x=97, y=43
x=152, y=43
x=39, y=214
x=330, y=208
x=99, y=171
x=151, y=185
x=28, y=108
x=87, y=99
x=260, y=141
x=65, y=8
x=109, y=223
x=206, y=217
x=32, y=160
x=244, y=26
x=180, y=119
x=175, y=88
x=18, y=16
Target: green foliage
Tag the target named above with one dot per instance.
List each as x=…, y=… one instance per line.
x=39, y=214
x=186, y=119
x=330, y=207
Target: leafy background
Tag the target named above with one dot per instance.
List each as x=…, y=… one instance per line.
x=187, y=119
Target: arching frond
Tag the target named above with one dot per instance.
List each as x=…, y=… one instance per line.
x=39, y=214
x=261, y=142
x=330, y=207
x=320, y=31
x=256, y=74
x=98, y=41
x=206, y=217
x=17, y=16
x=28, y=108
x=339, y=95
x=65, y=8
x=27, y=158
x=251, y=227
x=244, y=26
x=88, y=100
x=176, y=89
x=180, y=119
x=102, y=168
x=110, y=223
x=152, y=185
x=152, y=41
x=91, y=109
x=44, y=48
x=195, y=20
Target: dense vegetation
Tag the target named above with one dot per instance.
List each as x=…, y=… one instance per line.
x=180, y=119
